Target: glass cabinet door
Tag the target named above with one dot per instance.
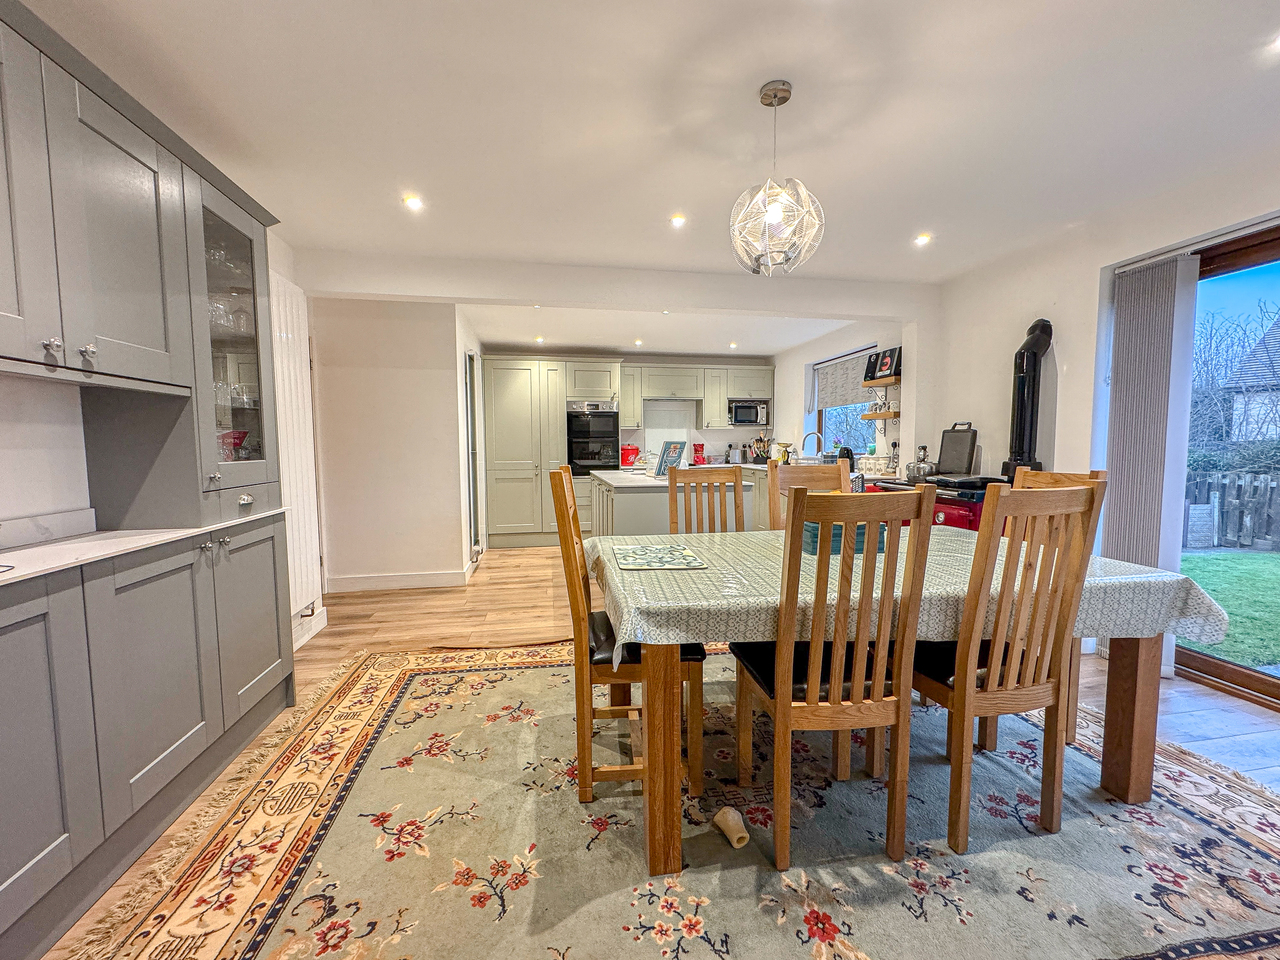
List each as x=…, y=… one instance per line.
x=233, y=339
x=231, y=306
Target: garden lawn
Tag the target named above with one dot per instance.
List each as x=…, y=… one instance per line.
x=1247, y=585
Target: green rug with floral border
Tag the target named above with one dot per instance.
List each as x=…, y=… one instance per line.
x=427, y=809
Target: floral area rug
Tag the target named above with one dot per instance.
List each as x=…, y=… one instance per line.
x=428, y=809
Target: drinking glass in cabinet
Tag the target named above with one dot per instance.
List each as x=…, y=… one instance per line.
x=233, y=335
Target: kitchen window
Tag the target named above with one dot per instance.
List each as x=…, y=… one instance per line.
x=844, y=427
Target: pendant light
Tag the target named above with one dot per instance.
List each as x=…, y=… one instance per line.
x=777, y=223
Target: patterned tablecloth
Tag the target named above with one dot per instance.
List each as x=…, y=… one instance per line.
x=736, y=596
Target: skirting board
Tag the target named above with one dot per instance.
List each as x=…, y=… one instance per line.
x=304, y=628
x=396, y=581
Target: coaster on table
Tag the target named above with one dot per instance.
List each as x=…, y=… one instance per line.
x=674, y=556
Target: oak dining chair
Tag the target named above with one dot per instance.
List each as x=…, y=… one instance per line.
x=814, y=477
x=857, y=679
x=703, y=488
x=593, y=651
x=1022, y=665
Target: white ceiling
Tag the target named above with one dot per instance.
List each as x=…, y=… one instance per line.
x=561, y=132
x=617, y=330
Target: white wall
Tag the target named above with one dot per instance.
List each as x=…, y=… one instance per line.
x=388, y=428
x=42, y=459
x=985, y=313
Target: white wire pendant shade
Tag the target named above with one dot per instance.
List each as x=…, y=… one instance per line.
x=775, y=225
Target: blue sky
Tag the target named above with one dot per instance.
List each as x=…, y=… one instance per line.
x=1238, y=293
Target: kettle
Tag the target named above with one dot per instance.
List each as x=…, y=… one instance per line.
x=923, y=466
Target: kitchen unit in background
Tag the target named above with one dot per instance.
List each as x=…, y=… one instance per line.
x=524, y=441
x=146, y=633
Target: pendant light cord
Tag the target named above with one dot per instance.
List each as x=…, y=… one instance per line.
x=775, y=142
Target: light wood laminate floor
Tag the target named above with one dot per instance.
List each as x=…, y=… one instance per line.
x=519, y=596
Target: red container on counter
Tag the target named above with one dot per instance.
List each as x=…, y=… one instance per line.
x=629, y=453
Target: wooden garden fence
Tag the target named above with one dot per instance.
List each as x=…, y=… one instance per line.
x=1232, y=510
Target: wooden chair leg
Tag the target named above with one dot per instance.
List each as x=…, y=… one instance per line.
x=1073, y=690
x=742, y=716
x=961, y=781
x=873, y=762
x=951, y=732
x=619, y=694
x=988, y=728
x=693, y=728
x=1051, y=771
x=841, y=745
x=781, y=796
x=586, y=784
x=895, y=834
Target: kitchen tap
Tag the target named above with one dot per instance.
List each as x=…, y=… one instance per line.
x=812, y=433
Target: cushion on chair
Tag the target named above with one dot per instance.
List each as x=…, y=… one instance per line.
x=937, y=661
x=602, y=641
x=758, y=659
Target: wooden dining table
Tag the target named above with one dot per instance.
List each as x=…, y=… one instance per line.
x=736, y=595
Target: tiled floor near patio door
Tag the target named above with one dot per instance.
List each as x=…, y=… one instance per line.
x=1234, y=732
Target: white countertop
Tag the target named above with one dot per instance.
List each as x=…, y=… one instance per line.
x=628, y=481
x=38, y=559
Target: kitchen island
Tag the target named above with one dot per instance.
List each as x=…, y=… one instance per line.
x=626, y=503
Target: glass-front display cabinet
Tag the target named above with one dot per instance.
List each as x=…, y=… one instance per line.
x=231, y=313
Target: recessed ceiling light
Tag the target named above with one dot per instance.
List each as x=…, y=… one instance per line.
x=733, y=346
x=414, y=203
x=677, y=220
x=537, y=306
x=923, y=239
x=538, y=339
x=1274, y=45
x=666, y=311
x=639, y=343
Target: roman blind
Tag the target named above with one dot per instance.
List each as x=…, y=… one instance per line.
x=838, y=382
x=1150, y=410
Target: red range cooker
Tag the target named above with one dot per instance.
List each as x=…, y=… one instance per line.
x=960, y=493
x=949, y=510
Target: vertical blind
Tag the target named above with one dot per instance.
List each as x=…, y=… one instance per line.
x=838, y=383
x=1145, y=423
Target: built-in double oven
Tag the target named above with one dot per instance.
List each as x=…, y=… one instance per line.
x=593, y=436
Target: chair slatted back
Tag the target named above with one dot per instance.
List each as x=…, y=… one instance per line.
x=574, y=558
x=1024, y=478
x=1050, y=533
x=869, y=648
x=703, y=487
x=814, y=477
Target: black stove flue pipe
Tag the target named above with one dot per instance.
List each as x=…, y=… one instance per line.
x=1026, y=398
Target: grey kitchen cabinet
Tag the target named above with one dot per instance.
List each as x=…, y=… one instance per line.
x=50, y=800
x=631, y=404
x=250, y=588
x=715, y=398
x=592, y=380
x=513, y=445
x=231, y=324
x=751, y=383
x=582, y=497
x=30, y=314
x=671, y=383
x=121, y=239
x=153, y=652
x=554, y=433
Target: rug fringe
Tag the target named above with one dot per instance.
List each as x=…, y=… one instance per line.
x=97, y=942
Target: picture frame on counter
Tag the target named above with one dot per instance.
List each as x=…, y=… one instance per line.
x=669, y=457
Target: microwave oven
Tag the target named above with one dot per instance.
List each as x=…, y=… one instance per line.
x=744, y=413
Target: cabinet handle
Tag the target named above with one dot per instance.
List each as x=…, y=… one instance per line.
x=207, y=545
x=225, y=541
x=52, y=345
x=89, y=351
x=215, y=477
x=246, y=499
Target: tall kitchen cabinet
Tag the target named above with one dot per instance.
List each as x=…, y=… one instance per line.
x=121, y=239
x=49, y=794
x=631, y=406
x=230, y=304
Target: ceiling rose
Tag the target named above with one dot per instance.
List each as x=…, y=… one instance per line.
x=777, y=223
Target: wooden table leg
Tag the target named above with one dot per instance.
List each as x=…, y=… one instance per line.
x=660, y=675
x=1129, y=730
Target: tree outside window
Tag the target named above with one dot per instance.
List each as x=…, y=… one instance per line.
x=844, y=427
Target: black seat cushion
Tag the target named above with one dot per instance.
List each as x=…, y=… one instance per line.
x=603, y=642
x=759, y=660
x=937, y=661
